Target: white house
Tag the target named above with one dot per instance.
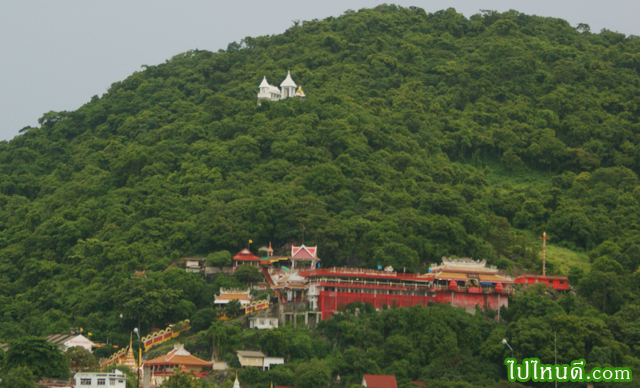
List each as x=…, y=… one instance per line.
x=116, y=379
x=272, y=93
x=257, y=359
x=263, y=323
x=66, y=341
x=268, y=362
x=195, y=265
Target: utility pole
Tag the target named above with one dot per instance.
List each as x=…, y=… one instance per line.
x=555, y=351
x=544, y=252
x=505, y=343
x=137, y=331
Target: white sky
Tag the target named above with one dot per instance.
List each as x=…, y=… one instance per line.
x=55, y=55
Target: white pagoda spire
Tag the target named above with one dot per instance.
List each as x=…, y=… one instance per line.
x=288, y=86
x=272, y=93
x=236, y=384
x=288, y=81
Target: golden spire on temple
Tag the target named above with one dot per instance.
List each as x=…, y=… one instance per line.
x=300, y=92
x=130, y=360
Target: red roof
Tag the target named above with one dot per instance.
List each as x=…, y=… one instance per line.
x=245, y=255
x=379, y=381
x=303, y=252
x=178, y=356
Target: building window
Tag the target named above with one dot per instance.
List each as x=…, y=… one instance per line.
x=262, y=321
x=550, y=281
x=85, y=381
x=561, y=281
x=102, y=381
x=112, y=381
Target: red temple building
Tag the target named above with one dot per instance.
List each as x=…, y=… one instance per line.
x=462, y=283
x=178, y=359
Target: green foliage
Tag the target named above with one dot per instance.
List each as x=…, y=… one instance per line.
x=232, y=308
x=313, y=374
x=219, y=259
x=18, y=377
x=202, y=319
x=179, y=379
x=42, y=357
x=248, y=274
x=422, y=135
x=79, y=358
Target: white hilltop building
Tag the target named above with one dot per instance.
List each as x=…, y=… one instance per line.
x=272, y=93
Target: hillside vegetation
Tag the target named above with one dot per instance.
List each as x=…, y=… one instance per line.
x=422, y=135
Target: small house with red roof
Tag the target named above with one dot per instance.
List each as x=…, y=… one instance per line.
x=304, y=254
x=246, y=257
x=178, y=359
x=379, y=381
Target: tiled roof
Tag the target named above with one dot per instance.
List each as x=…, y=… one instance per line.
x=380, y=381
x=234, y=296
x=303, y=252
x=245, y=255
x=494, y=279
x=250, y=353
x=60, y=339
x=452, y=276
x=178, y=356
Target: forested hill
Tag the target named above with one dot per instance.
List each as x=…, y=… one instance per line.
x=421, y=135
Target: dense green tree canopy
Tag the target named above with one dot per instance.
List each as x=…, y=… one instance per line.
x=43, y=358
x=18, y=377
x=422, y=135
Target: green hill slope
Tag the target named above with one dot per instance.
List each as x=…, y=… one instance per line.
x=422, y=135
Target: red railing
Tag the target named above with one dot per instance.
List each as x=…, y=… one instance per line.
x=367, y=273
x=371, y=286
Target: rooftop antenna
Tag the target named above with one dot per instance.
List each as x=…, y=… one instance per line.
x=544, y=252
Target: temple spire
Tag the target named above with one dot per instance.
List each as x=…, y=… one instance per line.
x=236, y=384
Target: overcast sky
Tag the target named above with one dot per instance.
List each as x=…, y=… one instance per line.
x=55, y=55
